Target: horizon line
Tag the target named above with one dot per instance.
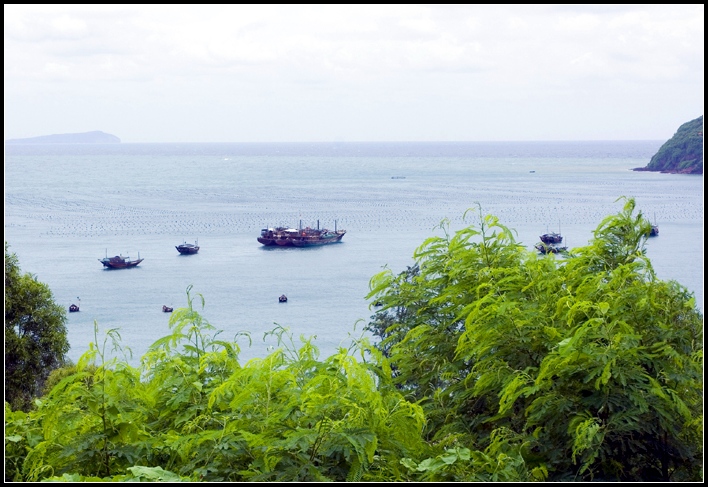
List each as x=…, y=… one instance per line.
x=15, y=141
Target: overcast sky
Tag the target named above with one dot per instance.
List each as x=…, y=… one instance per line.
x=288, y=73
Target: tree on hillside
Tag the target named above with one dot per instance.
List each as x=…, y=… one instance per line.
x=35, y=335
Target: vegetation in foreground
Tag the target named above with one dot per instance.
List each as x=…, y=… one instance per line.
x=35, y=335
x=494, y=364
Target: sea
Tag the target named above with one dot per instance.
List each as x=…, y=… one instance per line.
x=69, y=205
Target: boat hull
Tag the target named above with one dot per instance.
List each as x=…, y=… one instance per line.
x=314, y=242
x=266, y=241
x=187, y=250
x=111, y=264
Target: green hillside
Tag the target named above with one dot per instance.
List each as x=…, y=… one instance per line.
x=683, y=153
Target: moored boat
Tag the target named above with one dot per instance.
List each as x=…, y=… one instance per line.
x=188, y=248
x=73, y=308
x=551, y=238
x=166, y=309
x=654, y=232
x=283, y=298
x=120, y=262
x=300, y=237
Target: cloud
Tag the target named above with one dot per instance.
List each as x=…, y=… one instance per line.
x=348, y=62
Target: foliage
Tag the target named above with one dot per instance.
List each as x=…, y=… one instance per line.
x=494, y=364
x=592, y=364
x=683, y=152
x=35, y=334
x=193, y=410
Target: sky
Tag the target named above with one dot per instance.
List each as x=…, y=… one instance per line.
x=341, y=73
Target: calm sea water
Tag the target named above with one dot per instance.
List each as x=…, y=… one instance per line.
x=67, y=206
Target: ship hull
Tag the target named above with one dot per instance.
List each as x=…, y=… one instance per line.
x=122, y=266
x=113, y=264
x=317, y=241
x=187, y=250
x=266, y=241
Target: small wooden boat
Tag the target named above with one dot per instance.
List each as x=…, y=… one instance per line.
x=283, y=298
x=119, y=262
x=73, y=308
x=188, y=248
x=654, y=232
x=551, y=238
x=166, y=309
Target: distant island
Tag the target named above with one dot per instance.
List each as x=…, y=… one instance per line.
x=95, y=137
x=682, y=153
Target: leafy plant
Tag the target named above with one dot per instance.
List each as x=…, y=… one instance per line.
x=193, y=410
x=35, y=335
x=494, y=364
x=590, y=361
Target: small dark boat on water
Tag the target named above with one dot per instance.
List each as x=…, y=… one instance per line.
x=73, y=308
x=654, y=232
x=188, y=248
x=283, y=298
x=120, y=262
x=551, y=238
x=167, y=309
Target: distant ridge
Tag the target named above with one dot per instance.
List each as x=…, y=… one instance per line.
x=95, y=137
